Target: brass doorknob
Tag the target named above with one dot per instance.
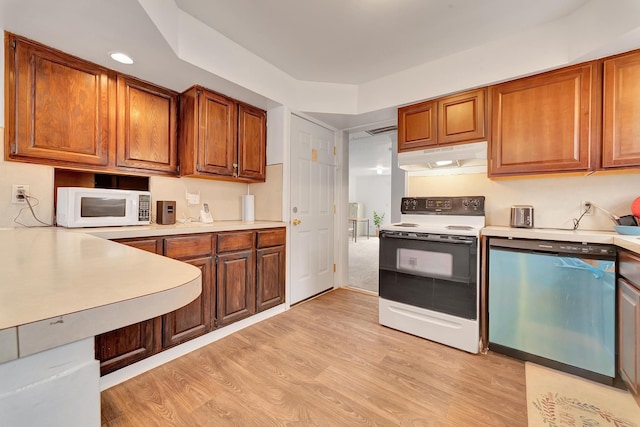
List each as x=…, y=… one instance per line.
x=296, y=221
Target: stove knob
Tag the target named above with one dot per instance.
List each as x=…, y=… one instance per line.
x=465, y=203
x=414, y=203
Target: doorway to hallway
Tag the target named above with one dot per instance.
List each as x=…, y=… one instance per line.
x=363, y=263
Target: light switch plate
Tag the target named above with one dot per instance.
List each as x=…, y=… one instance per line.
x=193, y=198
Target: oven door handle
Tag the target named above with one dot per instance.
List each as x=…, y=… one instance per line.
x=466, y=240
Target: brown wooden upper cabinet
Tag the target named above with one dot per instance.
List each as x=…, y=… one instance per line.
x=58, y=106
x=417, y=126
x=545, y=123
x=621, y=107
x=220, y=138
x=454, y=119
x=67, y=112
x=252, y=147
x=146, y=126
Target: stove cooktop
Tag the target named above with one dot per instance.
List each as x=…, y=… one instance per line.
x=442, y=215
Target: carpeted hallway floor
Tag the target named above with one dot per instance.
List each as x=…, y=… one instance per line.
x=363, y=263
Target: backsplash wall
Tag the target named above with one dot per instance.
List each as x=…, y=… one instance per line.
x=556, y=200
x=224, y=198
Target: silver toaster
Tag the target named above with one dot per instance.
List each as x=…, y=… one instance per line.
x=522, y=216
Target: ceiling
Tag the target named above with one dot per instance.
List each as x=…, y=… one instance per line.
x=355, y=41
x=347, y=45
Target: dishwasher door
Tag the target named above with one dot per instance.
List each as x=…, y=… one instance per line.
x=554, y=304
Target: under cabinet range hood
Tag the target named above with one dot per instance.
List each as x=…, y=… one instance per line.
x=446, y=160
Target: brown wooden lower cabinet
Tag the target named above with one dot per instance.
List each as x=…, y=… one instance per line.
x=242, y=272
x=629, y=321
x=270, y=268
x=270, y=271
x=195, y=318
x=124, y=346
x=236, y=286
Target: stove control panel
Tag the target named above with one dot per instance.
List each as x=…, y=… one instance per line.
x=468, y=205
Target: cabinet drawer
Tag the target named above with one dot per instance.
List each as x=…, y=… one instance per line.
x=153, y=244
x=629, y=267
x=235, y=241
x=193, y=246
x=271, y=238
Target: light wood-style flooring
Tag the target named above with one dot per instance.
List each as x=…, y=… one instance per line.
x=325, y=362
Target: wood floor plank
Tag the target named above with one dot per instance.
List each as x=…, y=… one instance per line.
x=325, y=362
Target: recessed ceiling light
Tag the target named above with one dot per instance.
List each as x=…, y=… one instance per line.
x=121, y=57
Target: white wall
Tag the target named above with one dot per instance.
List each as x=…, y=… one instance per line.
x=556, y=200
x=374, y=192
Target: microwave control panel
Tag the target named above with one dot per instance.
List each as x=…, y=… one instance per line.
x=144, y=208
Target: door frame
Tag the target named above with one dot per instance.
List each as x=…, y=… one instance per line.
x=340, y=198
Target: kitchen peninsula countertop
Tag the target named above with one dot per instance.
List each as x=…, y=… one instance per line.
x=631, y=243
x=177, y=228
x=58, y=286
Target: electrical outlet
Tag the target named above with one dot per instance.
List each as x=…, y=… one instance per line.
x=586, y=206
x=16, y=191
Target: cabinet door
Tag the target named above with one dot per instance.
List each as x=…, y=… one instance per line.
x=216, y=148
x=461, y=118
x=127, y=345
x=629, y=330
x=124, y=346
x=270, y=273
x=252, y=143
x=58, y=106
x=236, y=286
x=147, y=126
x=195, y=318
x=621, y=127
x=544, y=123
x=417, y=126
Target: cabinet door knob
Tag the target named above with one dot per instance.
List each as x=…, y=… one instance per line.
x=296, y=221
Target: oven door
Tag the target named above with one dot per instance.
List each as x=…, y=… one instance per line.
x=436, y=272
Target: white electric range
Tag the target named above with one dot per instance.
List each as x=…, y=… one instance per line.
x=429, y=270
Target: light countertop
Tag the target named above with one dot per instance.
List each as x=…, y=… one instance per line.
x=58, y=286
x=631, y=243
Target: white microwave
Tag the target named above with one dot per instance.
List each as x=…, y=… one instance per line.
x=98, y=207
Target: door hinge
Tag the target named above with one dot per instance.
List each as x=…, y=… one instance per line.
x=14, y=149
x=334, y=209
x=215, y=260
x=334, y=267
x=13, y=44
x=334, y=150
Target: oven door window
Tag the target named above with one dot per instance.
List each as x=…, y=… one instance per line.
x=439, y=276
x=427, y=263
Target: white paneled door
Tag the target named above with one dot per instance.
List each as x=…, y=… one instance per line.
x=312, y=212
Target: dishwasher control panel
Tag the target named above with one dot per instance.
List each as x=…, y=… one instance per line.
x=554, y=247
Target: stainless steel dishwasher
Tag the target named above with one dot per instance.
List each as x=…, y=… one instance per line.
x=553, y=303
